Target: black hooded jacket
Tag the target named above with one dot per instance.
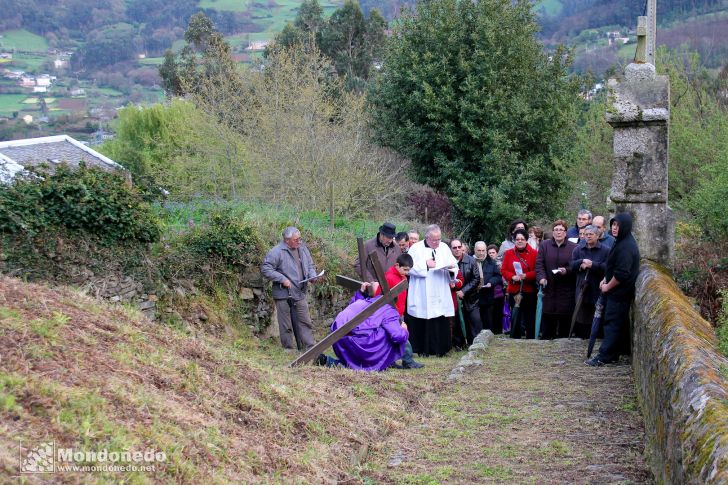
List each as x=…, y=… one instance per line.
x=623, y=261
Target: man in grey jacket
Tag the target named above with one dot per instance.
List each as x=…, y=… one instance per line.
x=286, y=265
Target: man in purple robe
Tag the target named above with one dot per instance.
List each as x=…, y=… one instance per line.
x=375, y=344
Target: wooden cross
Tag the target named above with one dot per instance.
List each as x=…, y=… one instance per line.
x=388, y=297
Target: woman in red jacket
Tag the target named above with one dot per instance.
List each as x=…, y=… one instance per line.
x=519, y=270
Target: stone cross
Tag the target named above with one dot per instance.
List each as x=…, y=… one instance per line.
x=640, y=56
x=651, y=31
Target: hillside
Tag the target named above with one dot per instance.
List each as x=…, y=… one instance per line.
x=221, y=406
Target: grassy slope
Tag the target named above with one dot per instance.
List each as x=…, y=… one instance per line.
x=23, y=40
x=223, y=407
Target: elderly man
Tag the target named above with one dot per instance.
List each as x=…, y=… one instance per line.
x=414, y=237
x=385, y=249
x=287, y=265
x=618, y=286
x=468, y=294
x=490, y=277
x=605, y=239
x=583, y=219
x=429, y=302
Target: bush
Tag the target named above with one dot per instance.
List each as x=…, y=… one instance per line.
x=225, y=237
x=722, y=330
x=85, y=200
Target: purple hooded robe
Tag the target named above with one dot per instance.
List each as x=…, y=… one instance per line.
x=376, y=342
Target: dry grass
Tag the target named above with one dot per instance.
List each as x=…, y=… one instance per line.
x=223, y=408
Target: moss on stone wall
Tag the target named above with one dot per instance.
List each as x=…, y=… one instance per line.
x=683, y=393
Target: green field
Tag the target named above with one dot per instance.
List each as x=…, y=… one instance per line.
x=23, y=40
x=151, y=61
x=28, y=62
x=35, y=100
x=226, y=5
x=108, y=92
x=550, y=7
x=10, y=103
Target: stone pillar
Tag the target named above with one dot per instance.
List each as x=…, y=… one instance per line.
x=639, y=111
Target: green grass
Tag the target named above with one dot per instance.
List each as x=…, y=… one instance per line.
x=550, y=7
x=10, y=103
x=225, y=5
x=151, y=61
x=28, y=62
x=109, y=92
x=23, y=40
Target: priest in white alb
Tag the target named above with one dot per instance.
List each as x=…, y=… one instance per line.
x=429, y=300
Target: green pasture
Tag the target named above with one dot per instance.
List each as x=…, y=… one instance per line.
x=28, y=62
x=226, y=5
x=23, y=40
x=34, y=100
x=108, y=92
x=151, y=61
x=550, y=8
x=10, y=103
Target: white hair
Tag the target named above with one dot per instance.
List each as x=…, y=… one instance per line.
x=431, y=229
x=480, y=243
x=290, y=232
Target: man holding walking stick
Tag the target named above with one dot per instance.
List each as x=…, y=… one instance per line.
x=289, y=266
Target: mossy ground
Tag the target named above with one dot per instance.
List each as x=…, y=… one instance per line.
x=533, y=413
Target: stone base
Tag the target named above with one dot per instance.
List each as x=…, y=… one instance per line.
x=653, y=228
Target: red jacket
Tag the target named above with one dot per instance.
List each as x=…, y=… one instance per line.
x=393, y=278
x=529, y=257
x=459, y=282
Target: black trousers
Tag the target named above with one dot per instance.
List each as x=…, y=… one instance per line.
x=496, y=322
x=616, y=328
x=555, y=325
x=486, y=317
x=473, y=324
x=526, y=316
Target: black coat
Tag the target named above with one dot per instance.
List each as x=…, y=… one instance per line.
x=491, y=274
x=598, y=256
x=471, y=275
x=623, y=261
x=558, y=295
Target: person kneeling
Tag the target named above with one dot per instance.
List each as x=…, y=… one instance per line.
x=375, y=344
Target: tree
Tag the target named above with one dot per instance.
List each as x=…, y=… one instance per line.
x=350, y=40
x=485, y=115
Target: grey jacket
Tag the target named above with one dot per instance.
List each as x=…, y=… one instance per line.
x=279, y=265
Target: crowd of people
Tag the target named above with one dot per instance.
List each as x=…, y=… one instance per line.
x=454, y=295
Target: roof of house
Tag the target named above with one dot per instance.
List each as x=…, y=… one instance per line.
x=49, y=150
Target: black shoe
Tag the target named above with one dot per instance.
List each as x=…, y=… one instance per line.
x=321, y=360
x=412, y=365
x=594, y=362
x=395, y=365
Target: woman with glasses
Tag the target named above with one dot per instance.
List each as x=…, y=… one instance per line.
x=554, y=274
x=519, y=271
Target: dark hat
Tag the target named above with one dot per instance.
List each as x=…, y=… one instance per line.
x=388, y=229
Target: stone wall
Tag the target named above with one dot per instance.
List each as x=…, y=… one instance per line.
x=682, y=383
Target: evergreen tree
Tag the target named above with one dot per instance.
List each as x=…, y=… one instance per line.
x=485, y=115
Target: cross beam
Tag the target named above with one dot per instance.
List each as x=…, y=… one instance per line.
x=342, y=331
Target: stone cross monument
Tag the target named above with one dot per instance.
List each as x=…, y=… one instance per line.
x=638, y=108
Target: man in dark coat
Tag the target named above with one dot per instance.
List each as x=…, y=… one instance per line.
x=468, y=294
x=386, y=250
x=588, y=262
x=622, y=269
x=583, y=219
x=554, y=274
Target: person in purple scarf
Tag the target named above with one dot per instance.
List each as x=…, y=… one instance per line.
x=373, y=345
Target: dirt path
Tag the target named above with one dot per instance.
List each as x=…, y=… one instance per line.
x=533, y=413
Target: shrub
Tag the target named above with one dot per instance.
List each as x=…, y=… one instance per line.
x=85, y=200
x=225, y=237
x=722, y=329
